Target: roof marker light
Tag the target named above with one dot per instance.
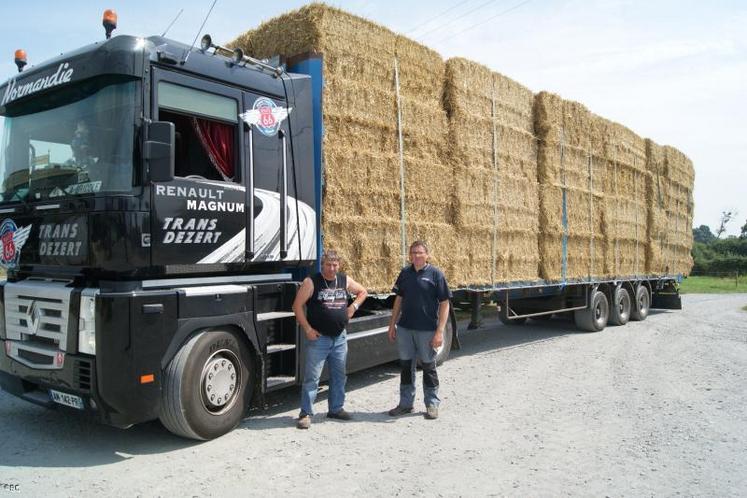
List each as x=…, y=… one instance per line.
x=109, y=22
x=20, y=58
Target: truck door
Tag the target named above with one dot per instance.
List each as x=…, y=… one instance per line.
x=271, y=177
x=199, y=217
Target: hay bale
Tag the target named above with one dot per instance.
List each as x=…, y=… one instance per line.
x=584, y=233
x=360, y=143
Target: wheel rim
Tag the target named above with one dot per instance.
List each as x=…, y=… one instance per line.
x=623, y=304
x=220, y=381
x=601, y=311
x=643, y=302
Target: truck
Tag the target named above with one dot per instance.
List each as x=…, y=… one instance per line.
x=160, y=206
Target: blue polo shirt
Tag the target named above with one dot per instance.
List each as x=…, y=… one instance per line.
x=421, y=292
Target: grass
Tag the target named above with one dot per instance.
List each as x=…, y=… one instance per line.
x=713, y=285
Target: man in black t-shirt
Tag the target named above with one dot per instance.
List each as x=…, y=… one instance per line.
x=419, y=316
x=325, y=295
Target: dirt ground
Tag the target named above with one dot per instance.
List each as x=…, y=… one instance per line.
x=654, y=408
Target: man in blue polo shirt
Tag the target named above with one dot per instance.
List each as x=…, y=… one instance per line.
x=419, y=315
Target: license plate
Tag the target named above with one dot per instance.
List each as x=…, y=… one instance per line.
x=66, y=399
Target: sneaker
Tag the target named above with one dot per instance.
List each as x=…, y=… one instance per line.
x=399, y=410
x=304, y=421
x=431, y=412
x=341, y=415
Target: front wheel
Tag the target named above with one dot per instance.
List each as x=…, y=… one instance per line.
x=207, y=386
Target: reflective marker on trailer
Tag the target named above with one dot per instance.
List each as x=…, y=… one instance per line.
x=146, y=379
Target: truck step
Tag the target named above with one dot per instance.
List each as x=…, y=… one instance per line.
x=276, y=348
x=274, y=315
x=280, y=381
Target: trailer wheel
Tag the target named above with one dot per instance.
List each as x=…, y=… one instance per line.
x=505, y=320
x=207, y=386
x=594, y=318
x=620, y=309
x=442, y=353
x=639, y=312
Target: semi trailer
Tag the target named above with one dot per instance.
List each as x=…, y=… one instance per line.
x=160, y=206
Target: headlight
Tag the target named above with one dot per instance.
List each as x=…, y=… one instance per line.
x=87, y=322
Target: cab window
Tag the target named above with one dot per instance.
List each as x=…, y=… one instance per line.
x=206, y=131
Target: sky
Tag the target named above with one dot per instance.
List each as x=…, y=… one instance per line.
x=672, y=71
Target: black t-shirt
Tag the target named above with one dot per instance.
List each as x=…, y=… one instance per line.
x=327, y=308
x=421, y=292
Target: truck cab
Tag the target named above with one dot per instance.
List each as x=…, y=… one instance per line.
x=156, y=201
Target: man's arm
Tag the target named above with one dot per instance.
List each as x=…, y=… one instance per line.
x=302, y=297
x=395, y=316
x=360, y=294
x=443, y=316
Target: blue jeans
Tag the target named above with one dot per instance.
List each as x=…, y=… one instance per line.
x=415, y=345
x=333, y=350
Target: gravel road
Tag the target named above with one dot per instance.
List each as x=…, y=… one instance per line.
x=654, y=408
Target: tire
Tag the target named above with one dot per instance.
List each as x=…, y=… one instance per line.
x=505, y=320
x=594, y=318
x=639, y=310
x=205, y=366
x=620, y=309
x=442, y=353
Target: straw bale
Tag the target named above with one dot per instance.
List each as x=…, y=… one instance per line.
x=440, y=238
x=569, y=137
x=586, y=233
x=370, y=249
x=512, y=257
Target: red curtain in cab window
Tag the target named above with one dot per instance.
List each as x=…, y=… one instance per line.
x=217, y=140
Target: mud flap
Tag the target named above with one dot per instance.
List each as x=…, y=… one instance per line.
x=666, y=301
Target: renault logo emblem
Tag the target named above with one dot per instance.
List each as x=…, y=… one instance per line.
x=34, y=315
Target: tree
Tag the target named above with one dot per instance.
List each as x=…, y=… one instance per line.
x=726, y=217
x=703, y=234
x=743, y=235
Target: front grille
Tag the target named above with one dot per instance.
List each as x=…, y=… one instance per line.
x=35, y=358
x=36, y=315
x=83, y=374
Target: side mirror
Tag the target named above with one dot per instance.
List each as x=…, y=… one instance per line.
x=159, y=151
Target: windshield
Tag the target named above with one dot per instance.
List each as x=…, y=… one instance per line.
x=78, y=140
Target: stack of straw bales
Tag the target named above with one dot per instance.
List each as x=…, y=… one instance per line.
x=361, y=202
x=625, y=197
x=571, y=161
x=487, y=165
x=679, y=204
x=658, y=251
x=670, y=201
x=494, y=155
